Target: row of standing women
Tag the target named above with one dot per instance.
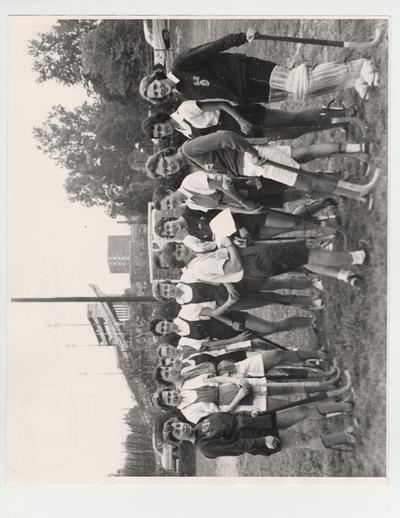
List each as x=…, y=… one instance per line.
x=231, y=385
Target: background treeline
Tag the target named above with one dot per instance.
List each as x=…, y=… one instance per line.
x=92, y=141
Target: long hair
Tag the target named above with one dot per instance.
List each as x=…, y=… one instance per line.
x=157, y=397
x=152, y=325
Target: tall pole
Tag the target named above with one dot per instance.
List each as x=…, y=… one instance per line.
x=105, y=298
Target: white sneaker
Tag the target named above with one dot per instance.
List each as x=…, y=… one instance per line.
x=318, y=304
x=369, y=73
x=362, y=89
x=317, y=283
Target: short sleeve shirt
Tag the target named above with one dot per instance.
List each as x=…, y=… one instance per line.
x=197, y=245
x=191, y=112
x=210, y=268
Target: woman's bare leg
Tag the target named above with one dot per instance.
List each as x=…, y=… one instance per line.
x=303, y=154
x=290, y=439
x=273, y=283
x=267, y=327
x=273, y=358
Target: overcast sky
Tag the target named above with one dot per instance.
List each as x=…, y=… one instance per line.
x=63, y=415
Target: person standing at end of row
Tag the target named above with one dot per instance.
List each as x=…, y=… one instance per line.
x=207, y=72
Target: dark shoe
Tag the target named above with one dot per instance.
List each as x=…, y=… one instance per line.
x=363, y=245
x=365, y=147
x=358, y=282
x=330, y=202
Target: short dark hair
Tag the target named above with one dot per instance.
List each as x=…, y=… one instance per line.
x=168, y=431
x=159, y=349
x=156, y=289
x=159, y=226
x=149, y=122
x=152, y=324
x=161, y=192
x=154, y=160
x=167, y=254
x=157, y=397
x=159, y=377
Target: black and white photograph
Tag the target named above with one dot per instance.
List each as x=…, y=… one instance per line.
x=197, y=249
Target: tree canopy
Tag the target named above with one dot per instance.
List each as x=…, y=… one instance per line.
x=57, y=54
x=92, y=143
x=115, y=58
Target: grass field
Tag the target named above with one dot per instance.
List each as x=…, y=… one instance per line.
x=353, y=322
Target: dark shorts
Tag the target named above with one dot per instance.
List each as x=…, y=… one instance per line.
x=237, y=316
x=258, y=74
x=268, y=260
x=271, y=194
x=320, y=183
x=259, y=426
x=217, y=329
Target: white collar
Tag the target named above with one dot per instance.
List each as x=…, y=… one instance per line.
x=184, y=126
x=173, y=78
x=188, y=397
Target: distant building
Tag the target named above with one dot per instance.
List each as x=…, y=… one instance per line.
x=99, y=322
x=128, y=254
x=107, y=332
x=119, y=254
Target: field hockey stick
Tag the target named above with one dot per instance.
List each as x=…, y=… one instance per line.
x=225, y=320
x=327, y=43
x=319, y=397
x=301, y=373
x=318, y=124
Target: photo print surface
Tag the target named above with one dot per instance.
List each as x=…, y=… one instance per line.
x=196, y=248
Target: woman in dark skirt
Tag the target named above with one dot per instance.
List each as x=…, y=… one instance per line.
x=197, y=333
x=231, y=264
x=207, y=72
x=225, y=434
x=241, y=296
x=207, y=394
x=177, y=369
x=196, y=118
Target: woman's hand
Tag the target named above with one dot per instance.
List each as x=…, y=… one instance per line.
x=271, y=442
x=259, y=160
x=226, y=242
x=206, y=312
x=240, y=242
x=246, y=335
x=241, y=381
x=256, y=412
x=243, y=391
x=233, y=293
x=227, y=183
x=246, y=127
x=251, y=34
x=237, y=326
